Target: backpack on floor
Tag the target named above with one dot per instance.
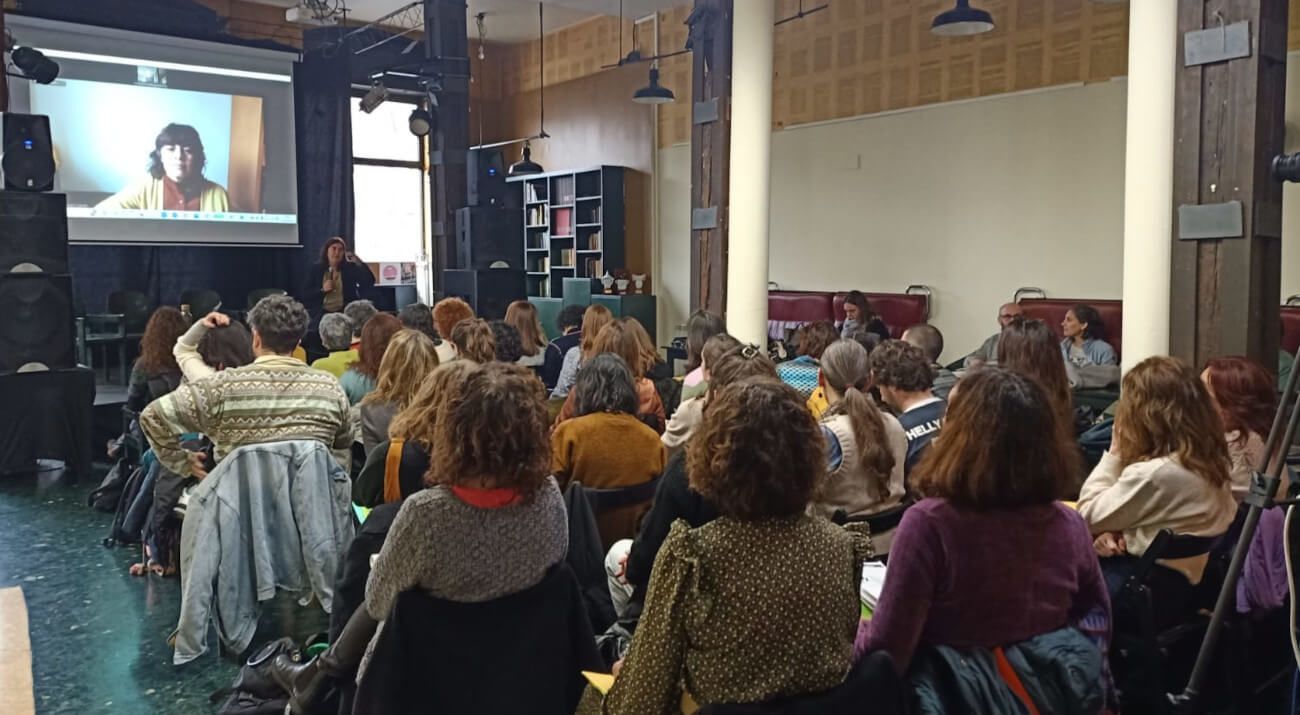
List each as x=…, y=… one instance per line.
x=109, y=492
x=133, y=506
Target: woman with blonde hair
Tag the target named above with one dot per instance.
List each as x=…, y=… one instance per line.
x=522, y=316
x=866, y=448
x=619, y=337
x=596, y=318
x=1167, y=468
x=409, y=358
x=411, y=435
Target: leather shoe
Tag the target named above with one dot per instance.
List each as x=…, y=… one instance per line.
x=305, y=683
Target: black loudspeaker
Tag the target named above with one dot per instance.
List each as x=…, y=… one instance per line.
x=486, y=184
x=489, y=291
x=486, y=235
x=28, y=162
x=33, y=232
x=38, y=321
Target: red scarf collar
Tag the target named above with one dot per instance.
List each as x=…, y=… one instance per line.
x=486, y=498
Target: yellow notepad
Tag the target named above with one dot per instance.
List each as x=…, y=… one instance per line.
x=600, y=681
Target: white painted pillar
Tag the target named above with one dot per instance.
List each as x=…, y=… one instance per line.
x=751, y=169
x=1149, y=178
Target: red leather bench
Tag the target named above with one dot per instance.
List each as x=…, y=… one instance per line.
x=1290, y=328
x=789, y=309
x=1052, y=311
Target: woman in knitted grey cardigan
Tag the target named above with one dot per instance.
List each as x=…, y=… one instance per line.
x=491, y=523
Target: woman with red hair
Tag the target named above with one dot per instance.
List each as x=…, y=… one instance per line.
x=1245, y=393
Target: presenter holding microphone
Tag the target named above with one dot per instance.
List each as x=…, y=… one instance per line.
x=338, y=279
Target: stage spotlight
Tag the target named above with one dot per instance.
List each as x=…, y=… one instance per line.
x=421, y=122
x=375, y=97
x=33, y=63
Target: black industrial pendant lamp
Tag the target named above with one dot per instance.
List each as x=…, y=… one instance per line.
x=653, y=93
x=526, y=165
x=962, y=20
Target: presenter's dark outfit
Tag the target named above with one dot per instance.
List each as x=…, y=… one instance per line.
x=355, y=279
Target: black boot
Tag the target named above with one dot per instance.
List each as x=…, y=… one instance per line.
x=308, y=684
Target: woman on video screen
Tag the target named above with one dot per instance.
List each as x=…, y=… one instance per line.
x=175, y=181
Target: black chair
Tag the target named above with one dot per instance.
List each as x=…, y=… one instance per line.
x=1157, y=624
x=201, y=301
x=255, y=295
x=872, y=686
x=134, y=307
x=606, y=500
x=879, y=522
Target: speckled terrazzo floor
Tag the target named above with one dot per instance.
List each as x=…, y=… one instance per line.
x=98, y=634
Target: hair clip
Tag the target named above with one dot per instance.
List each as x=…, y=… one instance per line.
x=749, y=351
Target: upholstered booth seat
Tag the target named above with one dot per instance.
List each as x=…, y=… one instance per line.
x=788, y=309
x=1290, y=328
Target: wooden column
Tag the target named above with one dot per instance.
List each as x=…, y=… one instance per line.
x=710, y=41
x=445, y=39
x=1228, y=126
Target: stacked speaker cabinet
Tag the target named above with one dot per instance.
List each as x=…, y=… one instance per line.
x=488, y=291
x=36, y=308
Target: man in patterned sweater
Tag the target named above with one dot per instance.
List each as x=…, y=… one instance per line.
x=275, y=398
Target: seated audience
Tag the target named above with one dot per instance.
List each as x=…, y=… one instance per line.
x=419, y=317
x=336, y=336
x=858, y=314
x=801, y=372
x=411, y=434
x=490, y=494
x=605, y=446
x=569, y=324
x=700, y=327
x=359, y=312
x=409, y=358
x=1028, y=347
x=522, y=316
x=275, y=398
x=987, y=352
x=930, y=340
x=866, y=449
x=360, y=377
x=509, y=347
x=212, y=344
x=817, y=402
x=903, y=374
x=1167, y=468
x=655, y=367
x=687, y=416
x=620, y=339
x=594, y=319
x=1244, y=394
x=474, y=341
x=1089, y=359
x=156, y=373
x=447, y=313
x=988, y=558
x=762, y=602
x=628, y=563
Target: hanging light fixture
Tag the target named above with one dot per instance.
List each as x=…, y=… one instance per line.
x=962, y=20
x=526, y=165
x=653, y=93
x=420, y=122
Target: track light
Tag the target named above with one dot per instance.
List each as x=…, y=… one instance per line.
x=526, y=165
x=374, y=97
x=962, y=20
x=653, y=93
x=421, y=122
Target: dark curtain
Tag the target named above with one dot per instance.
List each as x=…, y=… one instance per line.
x=322, y=104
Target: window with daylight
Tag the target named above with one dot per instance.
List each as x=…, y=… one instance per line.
x=389, y=186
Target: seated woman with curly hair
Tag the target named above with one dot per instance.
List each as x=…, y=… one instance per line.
x=156, y=373
x=762, y=602
x=490, y=492
x=446, y=314
x=620, y=338
x=410, y=357
x=474, y=341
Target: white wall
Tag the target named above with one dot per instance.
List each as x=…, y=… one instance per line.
x=973, y=199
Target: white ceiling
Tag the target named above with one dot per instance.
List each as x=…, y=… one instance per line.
x=514, y=20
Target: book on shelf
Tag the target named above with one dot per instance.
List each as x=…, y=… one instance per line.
x=566, y=258
x=531, y=194
x=593, y=241
x=537, y=216
x=563, y=222
x=544, y=288
x=564, y=190
x=591, y=215
x=593, y=267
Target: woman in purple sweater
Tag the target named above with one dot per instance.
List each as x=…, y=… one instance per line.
x=989, y=558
